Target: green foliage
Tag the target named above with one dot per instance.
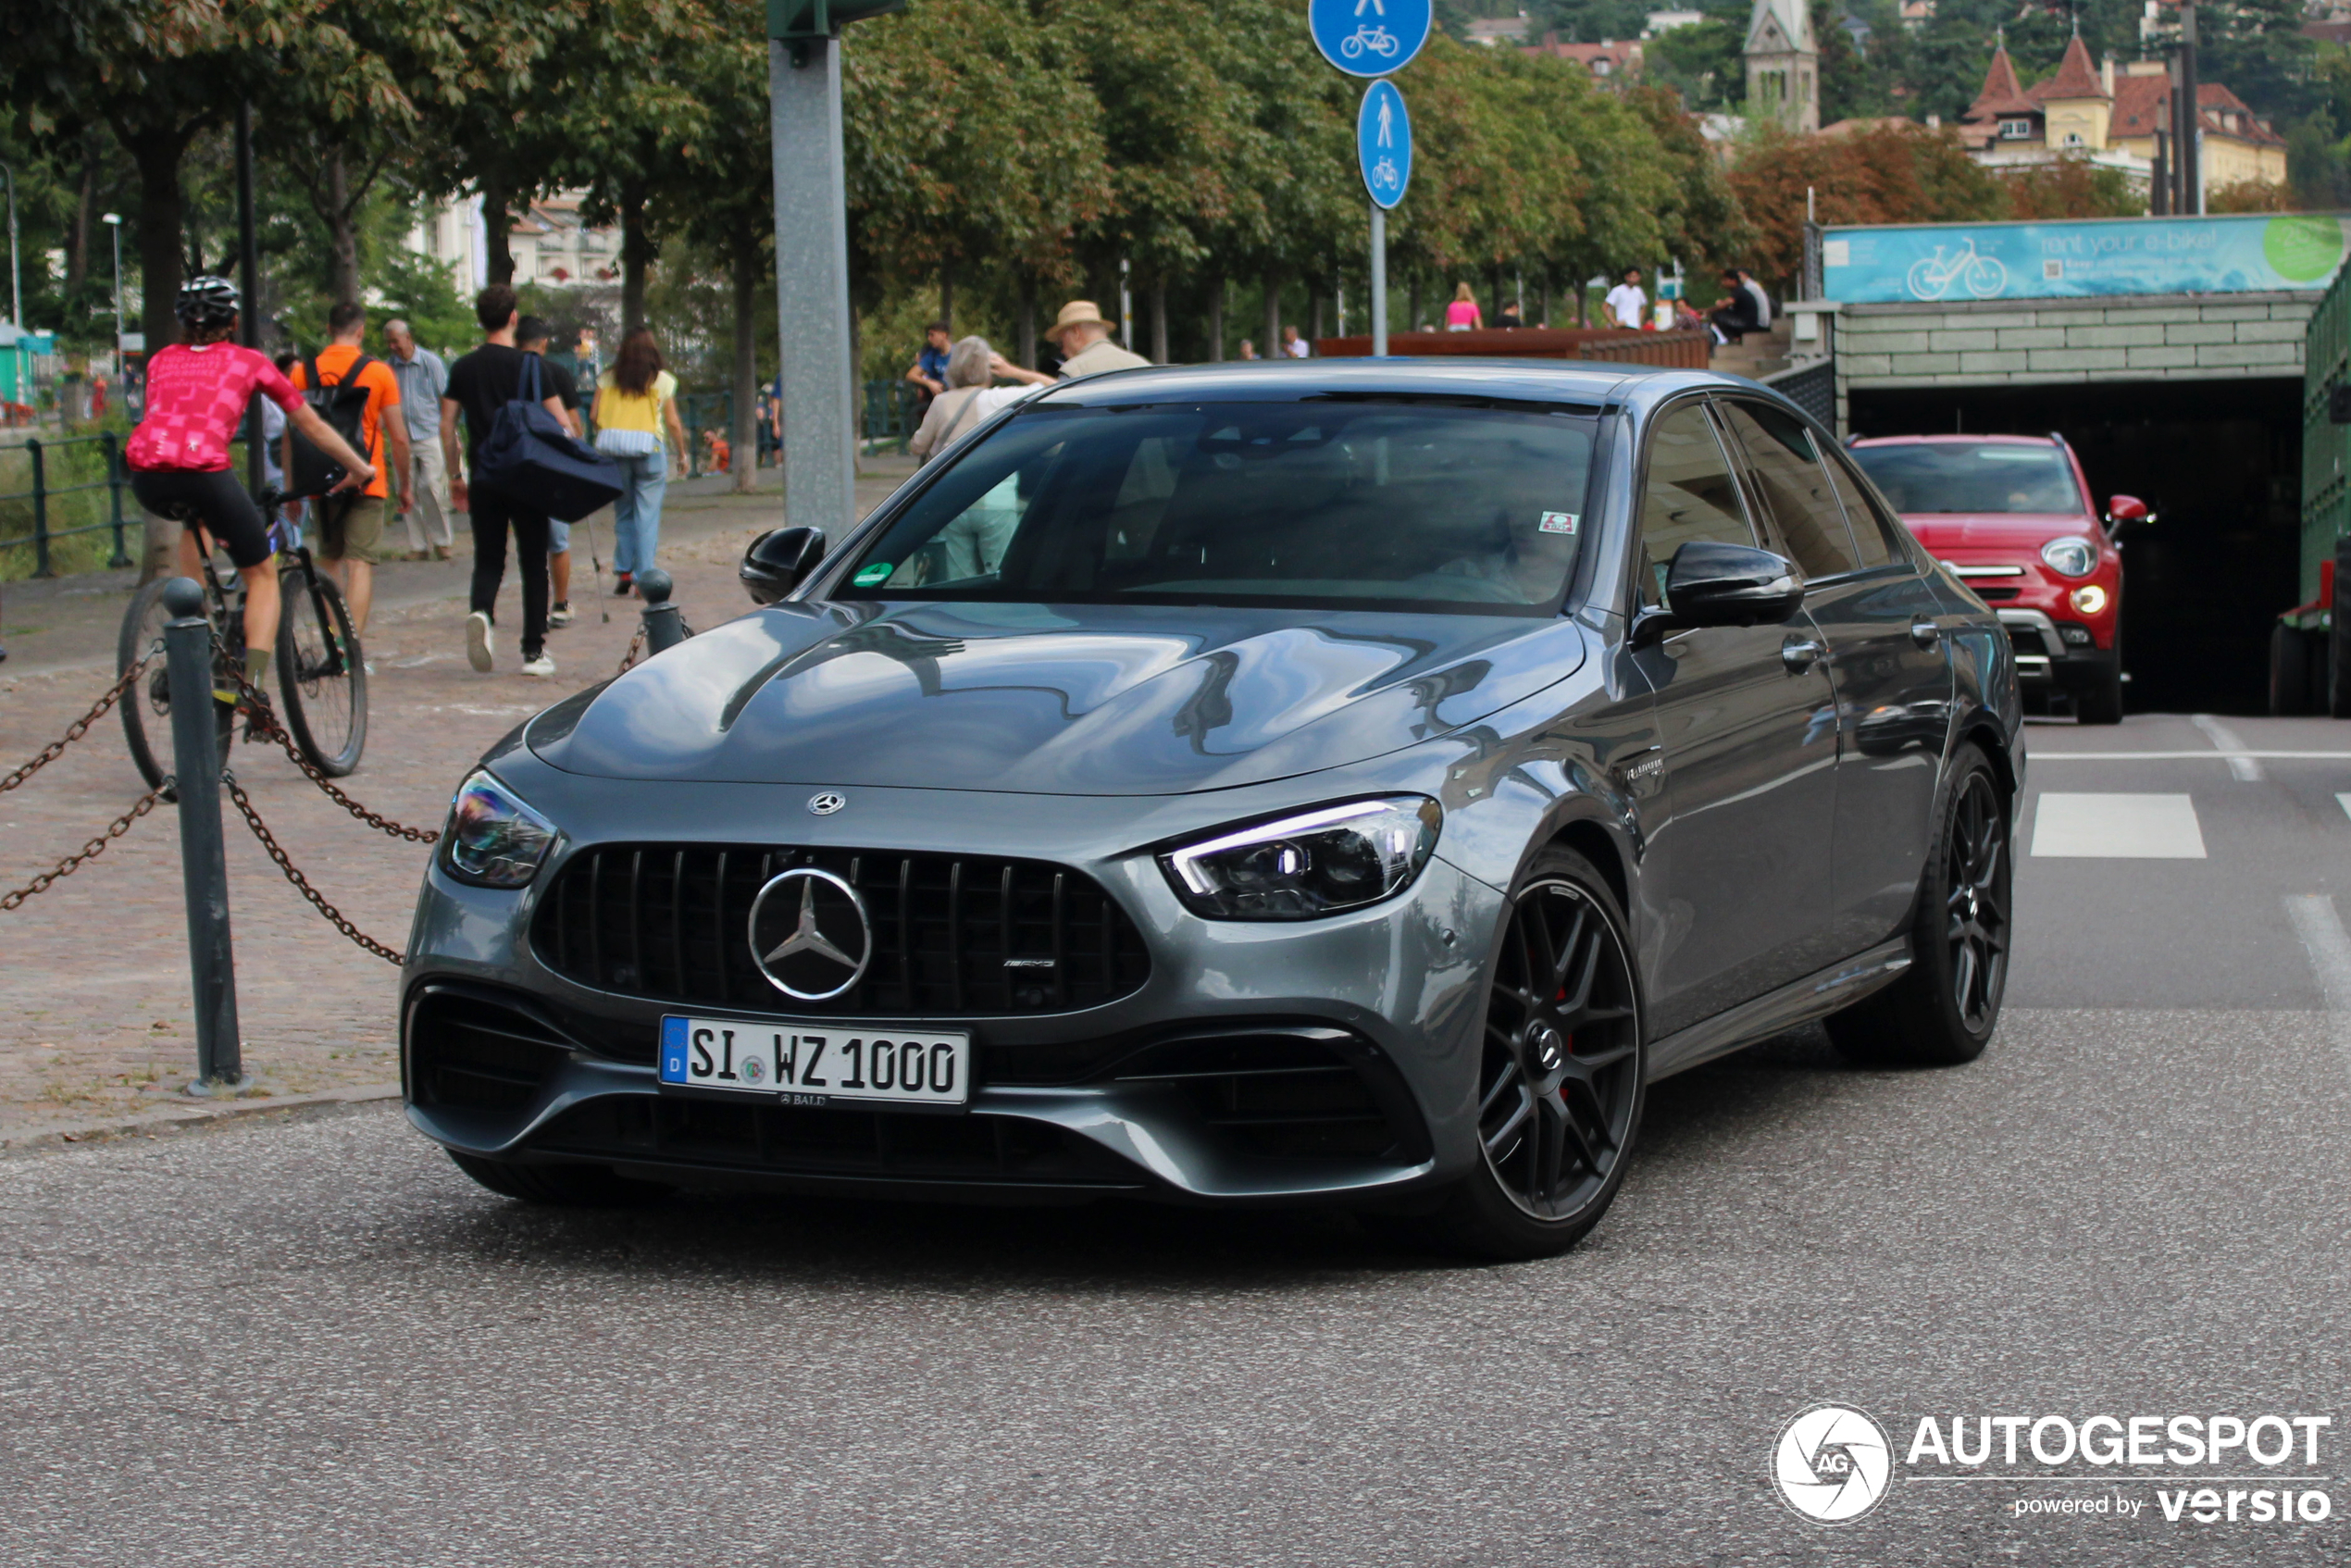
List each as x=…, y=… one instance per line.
x=1701, y=62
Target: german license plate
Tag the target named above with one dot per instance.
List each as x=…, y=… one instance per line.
x=817, y=1063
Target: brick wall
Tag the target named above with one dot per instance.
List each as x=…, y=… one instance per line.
x=1995, y=343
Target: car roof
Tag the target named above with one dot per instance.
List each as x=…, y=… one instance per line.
x=1532, y=379
x=1959, y=441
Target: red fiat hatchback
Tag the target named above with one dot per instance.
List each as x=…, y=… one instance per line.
x=2012, y=517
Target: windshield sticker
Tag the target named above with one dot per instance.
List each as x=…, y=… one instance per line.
x=1557, y=522
x=879, y=572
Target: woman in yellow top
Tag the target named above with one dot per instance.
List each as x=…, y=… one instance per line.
x=636, y=405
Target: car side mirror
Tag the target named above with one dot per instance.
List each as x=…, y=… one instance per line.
x=1711, y=583
x=2121, y=509
x=778, y=561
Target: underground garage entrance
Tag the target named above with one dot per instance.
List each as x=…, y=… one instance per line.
x=2219, y=464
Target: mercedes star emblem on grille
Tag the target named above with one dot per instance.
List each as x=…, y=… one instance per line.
x=813, y=946
x=825, y=803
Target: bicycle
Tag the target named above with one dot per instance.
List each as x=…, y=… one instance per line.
x=1378, y=40
x=322, y=672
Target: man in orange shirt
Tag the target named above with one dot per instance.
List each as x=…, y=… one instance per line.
x=350, y=529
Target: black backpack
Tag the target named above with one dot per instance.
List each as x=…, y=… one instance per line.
x=343, y=405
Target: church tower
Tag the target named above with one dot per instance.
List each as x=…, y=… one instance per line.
x=1783, y=65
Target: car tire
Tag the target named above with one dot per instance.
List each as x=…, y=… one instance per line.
x=1561, y=1063
x=2289, y=672
x=559, y=1187
x=2101, y=701
x=1944, y=1008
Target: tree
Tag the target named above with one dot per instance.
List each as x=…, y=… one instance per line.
x=1896, y=175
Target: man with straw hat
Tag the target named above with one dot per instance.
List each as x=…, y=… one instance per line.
x=1083, y=338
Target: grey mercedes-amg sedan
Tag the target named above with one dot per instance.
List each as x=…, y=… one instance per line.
x=1342, y=782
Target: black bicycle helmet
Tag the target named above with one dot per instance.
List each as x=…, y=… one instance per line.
x=208, y=301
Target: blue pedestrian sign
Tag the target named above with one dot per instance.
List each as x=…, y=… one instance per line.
x=1369, y=37
x=1384, y=143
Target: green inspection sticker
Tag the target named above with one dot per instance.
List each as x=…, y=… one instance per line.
x=879, y=572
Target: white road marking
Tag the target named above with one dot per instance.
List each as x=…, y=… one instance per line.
x=2226, y=743
x=2117, y=828
x=2328, y=946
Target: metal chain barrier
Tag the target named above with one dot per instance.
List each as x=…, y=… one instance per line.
x=88, y=852
x=636, y=646
x=260, y=706
x=76, y=729
x=293, y=874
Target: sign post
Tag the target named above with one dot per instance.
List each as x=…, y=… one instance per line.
x=1377, y=38
x=812, y=257
x=1384, y=154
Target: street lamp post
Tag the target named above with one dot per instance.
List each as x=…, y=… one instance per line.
x=114, y=221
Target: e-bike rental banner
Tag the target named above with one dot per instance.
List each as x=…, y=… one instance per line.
x=1957, y=262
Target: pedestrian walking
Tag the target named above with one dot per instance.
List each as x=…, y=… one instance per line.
x=1463, y=314
x=531, y=337
x=423, y=377
x=1083, y=338
x=348, y=529
x=1628, y=302
x=1249, y=349
x=1293, y=346
x=636, y=409
x=481, y=383
x=972, y=369
x=928, y=373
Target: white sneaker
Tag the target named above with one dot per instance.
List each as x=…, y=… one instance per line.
x=542, y=666
x=480, y=640
x=560, y=615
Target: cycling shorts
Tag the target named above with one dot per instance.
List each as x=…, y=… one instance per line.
x=210, y=499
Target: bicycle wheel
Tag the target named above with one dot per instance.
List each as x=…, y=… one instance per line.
x=321, y=672
x=147, y=707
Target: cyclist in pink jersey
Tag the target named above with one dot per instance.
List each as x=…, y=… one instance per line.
x=179, y=455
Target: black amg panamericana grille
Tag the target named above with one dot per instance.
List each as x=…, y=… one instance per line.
x=952, y=934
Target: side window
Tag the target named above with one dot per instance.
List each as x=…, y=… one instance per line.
x=1872, y=532
x=1688, y=494
x=1787, y=469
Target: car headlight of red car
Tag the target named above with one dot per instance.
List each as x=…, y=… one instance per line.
x=2070, y=557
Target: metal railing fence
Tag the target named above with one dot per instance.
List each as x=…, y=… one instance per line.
x=70, y=488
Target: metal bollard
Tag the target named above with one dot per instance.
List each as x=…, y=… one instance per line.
x=665, y=623
x=204, y=861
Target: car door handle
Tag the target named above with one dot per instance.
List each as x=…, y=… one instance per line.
x=1797, y=653
x=1926, y=634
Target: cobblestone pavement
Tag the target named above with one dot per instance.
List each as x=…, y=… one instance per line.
x=94, y=1009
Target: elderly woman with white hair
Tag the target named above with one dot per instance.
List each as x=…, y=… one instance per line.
x=972, y=369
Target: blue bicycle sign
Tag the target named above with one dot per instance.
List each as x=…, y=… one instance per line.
x=1384, y=143
x=1369, y=37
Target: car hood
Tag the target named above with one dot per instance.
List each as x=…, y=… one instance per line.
x=2025, y=532
x=1088, y=700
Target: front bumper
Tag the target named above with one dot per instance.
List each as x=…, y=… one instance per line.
x=2045, y=659
x=1331, y=1060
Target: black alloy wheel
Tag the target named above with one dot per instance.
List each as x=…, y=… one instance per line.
x=1560, y=1085
x=1946, y=1003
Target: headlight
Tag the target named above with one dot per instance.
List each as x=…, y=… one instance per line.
x=2071, y=557
x=2089, y=599
x=492, y=839
x=1317, y=863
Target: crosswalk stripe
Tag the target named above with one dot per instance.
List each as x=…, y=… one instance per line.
x=2110, y=826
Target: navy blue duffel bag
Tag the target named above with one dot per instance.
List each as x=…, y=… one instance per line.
x=529, y=455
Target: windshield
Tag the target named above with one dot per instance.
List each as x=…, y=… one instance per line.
x=1375, y=504
x=1991, y=478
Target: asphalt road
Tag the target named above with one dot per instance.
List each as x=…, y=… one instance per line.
x=318, y=1343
